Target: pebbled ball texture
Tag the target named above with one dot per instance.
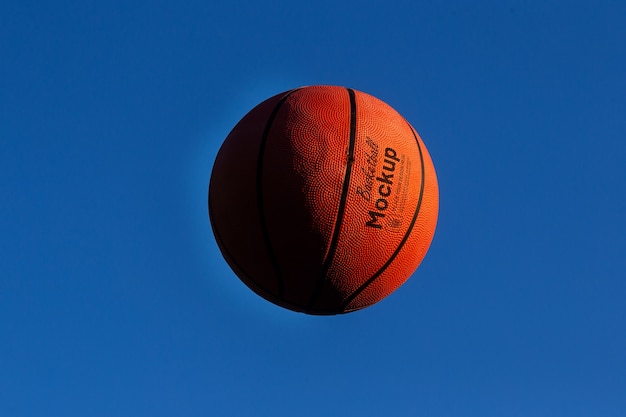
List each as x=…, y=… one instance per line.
x=323, y=200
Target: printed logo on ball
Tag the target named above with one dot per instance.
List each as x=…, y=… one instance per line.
x=385, y=205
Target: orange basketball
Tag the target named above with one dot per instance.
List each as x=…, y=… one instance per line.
x=323, y=200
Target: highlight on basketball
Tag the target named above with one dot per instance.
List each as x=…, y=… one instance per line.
x=323, y=200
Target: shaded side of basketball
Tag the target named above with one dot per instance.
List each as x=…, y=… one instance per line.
x=323, y=200
x=233, y=207
x=275, y=191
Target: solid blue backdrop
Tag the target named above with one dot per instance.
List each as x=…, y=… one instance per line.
x=115, y=301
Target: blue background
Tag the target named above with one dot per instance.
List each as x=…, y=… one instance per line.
x=115, y=301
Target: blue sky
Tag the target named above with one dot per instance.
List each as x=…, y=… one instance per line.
x=114, y=300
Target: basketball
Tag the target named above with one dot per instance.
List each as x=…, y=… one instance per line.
x=323, y=200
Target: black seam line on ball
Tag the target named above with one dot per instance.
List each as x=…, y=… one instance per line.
x=235, y=266
x=404, y=239
x=342, y=202
x=238, y=269
x=230, y=259
x=259, y=194
x=227, y=256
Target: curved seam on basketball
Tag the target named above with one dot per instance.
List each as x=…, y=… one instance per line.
x=378, y=273
x=227, y=255
x=264, y=228
x=229, y=258
x=342, y=202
